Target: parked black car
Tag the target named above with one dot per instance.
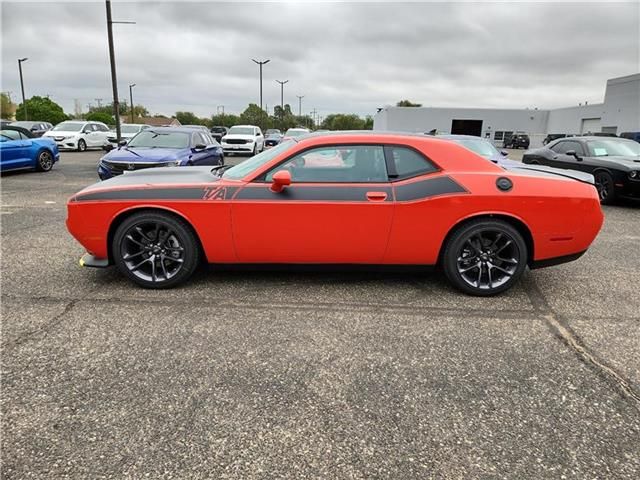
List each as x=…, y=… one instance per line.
x=517, y=140
x=36, y=128
x=553, y=136
x=219, y=132
x=614, y=162
x=631, y=136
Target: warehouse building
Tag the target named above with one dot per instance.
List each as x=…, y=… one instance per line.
x=620, y=112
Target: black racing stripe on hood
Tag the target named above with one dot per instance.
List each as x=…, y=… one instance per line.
x=348, y=193
x=427, y=188
x=185, y=193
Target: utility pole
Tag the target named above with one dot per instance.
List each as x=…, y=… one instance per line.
x=300, y=97
x=313, y=115
x=218, y=108
x=99, y=102
x=24, y=102
x=131, y=99
x=282, y=95
x=261, y=64
x=112, y=59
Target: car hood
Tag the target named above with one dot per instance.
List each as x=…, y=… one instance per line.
x=122, y=135
x=161, y=177
x=237, y=136
x=59, y=133
x=144, y=155
x=548, y=171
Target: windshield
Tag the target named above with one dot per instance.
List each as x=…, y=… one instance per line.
x=241, y=131
x=69, y=126
x=613, y=147
x=273, y=131
x=481, y=147
x=243, y=169
x=23, y=124
x=129, y=128
x=218, y=129
x=154, y=139
x=296, y=132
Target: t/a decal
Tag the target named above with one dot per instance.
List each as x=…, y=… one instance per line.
x=214, y=193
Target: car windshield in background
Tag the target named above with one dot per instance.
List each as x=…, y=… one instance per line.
x=218, y=129
x=153, y=139
x=240, y=131
x=26, y=125
x=129, y=128
x=613, y=147
x=243, y=169
x=481, y=147
x=295, y=132
x=69, y=126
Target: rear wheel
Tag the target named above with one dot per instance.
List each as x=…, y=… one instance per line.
x=45, y=161
x=82, y=146
x=605, y=187
x=155, y=250
x=484, y=257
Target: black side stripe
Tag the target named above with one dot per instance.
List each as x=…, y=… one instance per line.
x=183, y=193
x=310, y=194
x=431, y=187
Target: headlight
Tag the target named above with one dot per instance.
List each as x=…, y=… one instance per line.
x=175, y=163
x=250, y=140
x=634, y=175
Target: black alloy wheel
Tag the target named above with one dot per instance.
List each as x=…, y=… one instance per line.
x=45, y=161
x=485, y=257
x=82, y=146
x=605, y=187
x=155, y=250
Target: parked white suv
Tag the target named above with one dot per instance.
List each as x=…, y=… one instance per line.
x=243, y=139
x=79, y=135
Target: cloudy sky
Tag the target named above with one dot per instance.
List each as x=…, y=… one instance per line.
x=343, y=57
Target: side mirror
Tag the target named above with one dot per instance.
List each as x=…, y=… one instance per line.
x=257, y=134
x=122, y=143
x=504, y=153
x=199, y=146
x=280, y=180
x=34, y=128
x=572, y=153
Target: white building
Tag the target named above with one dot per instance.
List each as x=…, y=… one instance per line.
x=620, y=112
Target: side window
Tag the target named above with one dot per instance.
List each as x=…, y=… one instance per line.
x=11, y=134
x=559, y=147
x=337, y=164
x=102, y=128
x=408, y=163
x=564, y=147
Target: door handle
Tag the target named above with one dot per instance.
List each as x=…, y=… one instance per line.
x=376, y=196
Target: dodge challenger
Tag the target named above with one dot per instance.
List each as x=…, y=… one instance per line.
x=347, y=198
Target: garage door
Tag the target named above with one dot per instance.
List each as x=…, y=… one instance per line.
x=591, y=125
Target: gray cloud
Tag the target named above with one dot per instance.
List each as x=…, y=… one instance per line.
x=342, y=56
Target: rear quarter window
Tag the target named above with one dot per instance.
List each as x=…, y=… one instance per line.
x=407, y=163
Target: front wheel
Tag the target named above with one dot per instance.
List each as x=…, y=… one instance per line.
x=484, y=257
x=155, y=250
x=605, y=187
x=45, y=161
x=82, y=146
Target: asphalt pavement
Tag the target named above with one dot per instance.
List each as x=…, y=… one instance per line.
x=310, y=375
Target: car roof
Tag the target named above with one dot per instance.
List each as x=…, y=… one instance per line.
x=455, y=136
x=18, y=129
x=182, y=129
x=248, y=126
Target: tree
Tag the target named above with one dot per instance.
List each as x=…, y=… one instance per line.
x=188, y=118
x=7, y=107
x=226, y=120
x=340, y=121
x=368, y=123
x=254, y=115
x=101, y=117
x=42, y=109
x=407, y=103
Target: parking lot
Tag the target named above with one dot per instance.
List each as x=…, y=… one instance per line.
x=308, y=374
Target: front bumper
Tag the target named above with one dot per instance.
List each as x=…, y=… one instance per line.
x=237, y=148
x=68, y=144
x=628, y=189
x=89, y=260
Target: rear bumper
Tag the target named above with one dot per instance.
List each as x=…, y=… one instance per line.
x=550, y=262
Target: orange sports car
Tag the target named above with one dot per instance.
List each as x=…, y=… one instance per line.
x=348, y=198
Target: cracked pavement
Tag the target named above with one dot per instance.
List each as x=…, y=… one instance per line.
x=309, y=374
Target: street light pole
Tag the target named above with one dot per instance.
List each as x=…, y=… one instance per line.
x=112, y=59
x=300, y=97
x=131, y=99
x=282, y=95
x=24, y=102
x=261, y=64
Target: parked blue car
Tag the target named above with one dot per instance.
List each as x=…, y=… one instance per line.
x=162, y=147
x=20, y=149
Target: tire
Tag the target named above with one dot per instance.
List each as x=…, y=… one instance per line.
x=44, y=162
x=82, y=145
x=255, y=150
x=605, y=187
x=484, y=257
x=166, y=247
